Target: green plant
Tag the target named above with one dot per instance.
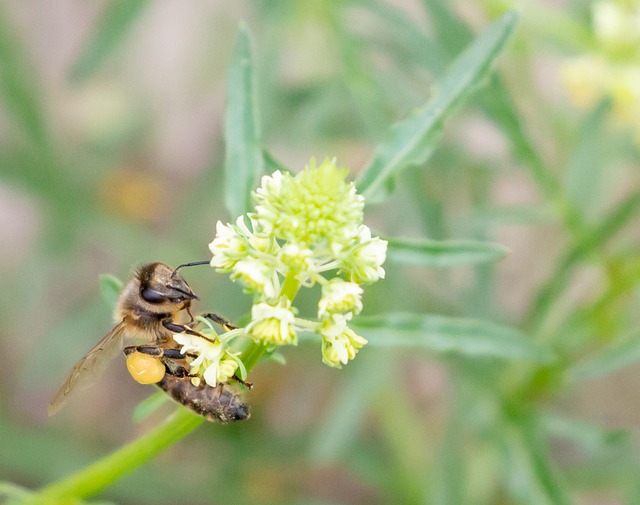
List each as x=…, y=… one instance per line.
x=494, y=442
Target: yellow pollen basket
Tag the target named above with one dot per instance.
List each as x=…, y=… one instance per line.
x=145, y=369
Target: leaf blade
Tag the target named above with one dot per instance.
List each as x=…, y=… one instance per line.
x=412, y=140
x=614, y=357
x=450, y=335
x=444, y=253
x=110, y=288
x=112, y=27
x=17, y=86
x=530, y=475
x=244, y=161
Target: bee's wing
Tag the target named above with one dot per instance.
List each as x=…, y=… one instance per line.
x=90, y=367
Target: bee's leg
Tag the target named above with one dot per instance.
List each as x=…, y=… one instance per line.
x=157, y=352
x=220, y=320
x=248, y=385
x=182, y=328
x=176, y=369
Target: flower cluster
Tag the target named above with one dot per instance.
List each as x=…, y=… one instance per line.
x=307, y=229
x=214, y=362
x=612, y=69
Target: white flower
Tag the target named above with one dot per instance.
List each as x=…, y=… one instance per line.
x=269, y=185
x=272, y=324
x=364, y=261
x=220, y=371
x=296, y=258
x=617, y=24
x=213, y=362
x=339, y=342
x=339, y=296
x=257, y=276
x=227, y=247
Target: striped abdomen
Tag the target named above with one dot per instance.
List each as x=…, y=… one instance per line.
x=219, y=404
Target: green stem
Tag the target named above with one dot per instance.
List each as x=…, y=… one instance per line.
x=105, y=471
x=290, y=287
x=252, y=354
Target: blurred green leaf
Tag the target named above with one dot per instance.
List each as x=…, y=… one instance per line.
x=495, y=99
x=14, y=491
x=530, y=477
x=17, y=85
x=272, y=163
x=588, y=167
x=451, y=32
x=407, y=458
x=340, y=427
x=449, y=478
x=413, y=140
x=401, y=35
x=450, y=335
x=244, y=162
x=112, y=27
x=443, y=253
x=110, y=288
x=613, y=357
x=593, y=440
x=592, y=241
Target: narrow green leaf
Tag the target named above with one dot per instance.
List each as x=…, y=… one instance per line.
x=112, y=27
x=400, y=34
x=11, y=490
x=614, y=357
x=403, y=442
x=528, y=472
x=607, y=227
x=17, y=85
x=244, y=162
x=592, y=439
x=448, y=483
x=450, y=335
x=272, y=163
x=149, y=405
x=343, y=417
x=451, y=33
x=444, y=253
x=413, y=140
x=588, y=168
x=110, y=288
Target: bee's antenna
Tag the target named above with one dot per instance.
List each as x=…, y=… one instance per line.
x=192, y=264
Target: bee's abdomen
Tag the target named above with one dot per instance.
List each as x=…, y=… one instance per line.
x=218, y=404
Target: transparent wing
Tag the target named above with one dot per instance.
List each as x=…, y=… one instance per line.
x=90, y=367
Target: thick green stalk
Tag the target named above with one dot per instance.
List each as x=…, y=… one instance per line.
x=107, y=470
x=290, y=287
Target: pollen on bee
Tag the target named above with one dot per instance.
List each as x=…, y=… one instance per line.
x=145, y=369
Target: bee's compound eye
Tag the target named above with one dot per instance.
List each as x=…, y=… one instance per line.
x=153, y=296
x=145, y=369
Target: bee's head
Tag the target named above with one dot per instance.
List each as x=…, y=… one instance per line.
x=161, y=285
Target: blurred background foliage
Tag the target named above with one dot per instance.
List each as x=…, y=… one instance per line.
x=112, y=154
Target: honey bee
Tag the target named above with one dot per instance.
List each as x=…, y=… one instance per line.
x=153, y=306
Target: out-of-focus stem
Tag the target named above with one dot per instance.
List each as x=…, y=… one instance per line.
x=107, y=470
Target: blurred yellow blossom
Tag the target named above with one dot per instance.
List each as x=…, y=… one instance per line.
x=612, y=69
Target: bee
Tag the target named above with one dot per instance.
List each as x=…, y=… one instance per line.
x=153, y=306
